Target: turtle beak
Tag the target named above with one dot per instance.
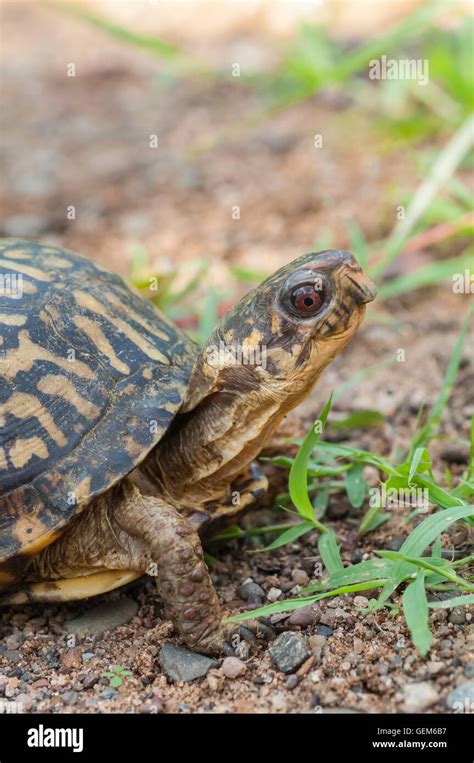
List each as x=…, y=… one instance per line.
x=363, y=290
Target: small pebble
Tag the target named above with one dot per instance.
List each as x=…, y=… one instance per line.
x=324, y=630
x=434, y=667
x=108, y=693
x=291, y=681
x=13, y=641
x=72, y=658
x=70, y=697
x=303, y=617
x=181, y=664
x=361, y=602
x=317, y=641
x=396, y=542
x=232, y=667
x=457, y=616
x=90, y=680
x=328, y=617
x=279, y=702
x=300, y=577
x=289, y=651
x=249, y=590
x=274, y=594
x=461, y=699
x=419, y=696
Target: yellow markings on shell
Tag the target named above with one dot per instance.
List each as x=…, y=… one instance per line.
x=12, y=319
x=23, y=359
x=169, y=406
x=60, y=386
x=19, y=254
x=28, y=287
x=23, y=450
x=27, y=270
x=88, y=302
x=52, y=261
x=24, y=406
x=98, y=338
x=82, y=491
x=134, y=449
x=147, y=373
x=119, y=305
x=3, y=459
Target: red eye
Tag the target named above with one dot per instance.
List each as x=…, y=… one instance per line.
x=306, y=299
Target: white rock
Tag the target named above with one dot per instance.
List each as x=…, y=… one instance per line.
x=274, y=594
x=419, y=696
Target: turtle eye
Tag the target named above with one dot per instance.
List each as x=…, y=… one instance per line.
x=307, y=299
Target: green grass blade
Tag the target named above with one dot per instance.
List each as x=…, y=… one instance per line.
x=358, y=243
x=415, y=461
x=359, y=420
x=428, y=275
x=329, y=552
x=286, y=537
x=154, y=45
x=358, y=573
x=246, y=274
x=470, y=469
x=291, y=604
x=298, y=478
x=208, y=317
x=456, y=601
x=356, y=485
x=440, y=568
x=441, y=171
x=421, y=537
x=415, y=609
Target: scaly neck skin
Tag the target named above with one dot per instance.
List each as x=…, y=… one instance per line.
x=207, y=448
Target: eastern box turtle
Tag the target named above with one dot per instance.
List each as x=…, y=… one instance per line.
x=106, y=406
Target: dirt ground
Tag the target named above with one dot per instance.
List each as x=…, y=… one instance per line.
x=84, y=141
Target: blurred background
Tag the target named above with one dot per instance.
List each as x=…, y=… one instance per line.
x=208, y=143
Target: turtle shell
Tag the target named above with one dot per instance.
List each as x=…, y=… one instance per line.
x=91, y=377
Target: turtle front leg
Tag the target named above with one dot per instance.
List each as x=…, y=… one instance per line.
x=173, y=554
x=126, y=531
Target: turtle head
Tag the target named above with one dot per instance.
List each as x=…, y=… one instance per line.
x=283, y=333
x=263, y=358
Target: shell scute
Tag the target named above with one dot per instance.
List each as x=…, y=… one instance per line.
x=91, y=377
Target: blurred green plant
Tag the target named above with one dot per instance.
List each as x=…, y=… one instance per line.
x=116, y=675
x=153, y=44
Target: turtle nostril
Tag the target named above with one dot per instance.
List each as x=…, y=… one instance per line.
x=362, y=288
